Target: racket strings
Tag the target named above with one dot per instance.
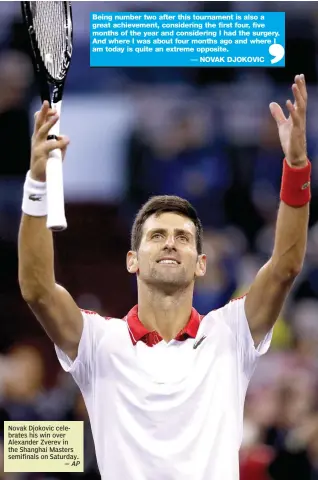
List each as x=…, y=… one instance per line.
x=49, y=21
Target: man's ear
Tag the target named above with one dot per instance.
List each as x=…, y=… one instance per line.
x=201, y=266
x=132, y=262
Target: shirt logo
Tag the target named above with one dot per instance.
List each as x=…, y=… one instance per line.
x=35, y=198
x=197, y=343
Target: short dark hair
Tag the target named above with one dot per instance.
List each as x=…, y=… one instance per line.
x=165, y=203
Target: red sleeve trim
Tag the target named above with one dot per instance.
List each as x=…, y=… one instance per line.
x=91, y=312
x=238, y=298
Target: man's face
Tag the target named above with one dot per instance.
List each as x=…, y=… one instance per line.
x=167, y=257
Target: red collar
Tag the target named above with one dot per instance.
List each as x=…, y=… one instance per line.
x=138, y=331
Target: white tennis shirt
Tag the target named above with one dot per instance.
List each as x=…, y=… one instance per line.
x=166, y=411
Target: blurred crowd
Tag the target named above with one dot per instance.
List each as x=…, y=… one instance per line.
x=203, y=134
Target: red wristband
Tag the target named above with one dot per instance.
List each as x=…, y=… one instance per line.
x=295, y=188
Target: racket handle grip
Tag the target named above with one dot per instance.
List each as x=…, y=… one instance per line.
x=56, y=220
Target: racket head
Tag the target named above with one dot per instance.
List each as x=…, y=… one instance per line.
x=50, y=29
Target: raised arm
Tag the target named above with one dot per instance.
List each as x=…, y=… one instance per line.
x=268, y=292
x=52, y=304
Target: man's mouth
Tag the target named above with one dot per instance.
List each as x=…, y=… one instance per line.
x=168, y=261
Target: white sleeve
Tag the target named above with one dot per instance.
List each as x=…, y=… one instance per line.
x=81, y=368
x=235, y=317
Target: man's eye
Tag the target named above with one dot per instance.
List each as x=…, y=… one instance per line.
x=157, y=236
x=183, y=238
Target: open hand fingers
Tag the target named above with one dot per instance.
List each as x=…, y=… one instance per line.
x=297, y=109
x=300, y=103
x=41, y=116
x=46, y=126
x=277, y=113
x=301, y=83
x=293, y=112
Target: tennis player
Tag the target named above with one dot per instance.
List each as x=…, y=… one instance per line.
x=165, y=387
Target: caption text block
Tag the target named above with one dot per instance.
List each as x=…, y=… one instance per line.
x=43, y=446
x=191, y=39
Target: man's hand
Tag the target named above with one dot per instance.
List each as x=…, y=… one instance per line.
x=292, y=130
x=41, y=147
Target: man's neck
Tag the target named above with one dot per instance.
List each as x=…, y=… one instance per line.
x=165, y=314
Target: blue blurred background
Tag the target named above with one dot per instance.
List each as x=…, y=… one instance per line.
x=204, y=134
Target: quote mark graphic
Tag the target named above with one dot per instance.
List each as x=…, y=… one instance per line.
x=277, y=51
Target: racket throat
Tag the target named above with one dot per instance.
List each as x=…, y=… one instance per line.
x=57, y=94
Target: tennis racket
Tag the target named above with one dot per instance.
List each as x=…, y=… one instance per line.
x=49, y=25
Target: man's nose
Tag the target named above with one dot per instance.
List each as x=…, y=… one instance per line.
x=170, y=242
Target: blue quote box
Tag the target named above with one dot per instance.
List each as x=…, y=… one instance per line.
x=187, y=39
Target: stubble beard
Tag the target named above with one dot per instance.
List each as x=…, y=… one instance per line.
x=169, y=281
